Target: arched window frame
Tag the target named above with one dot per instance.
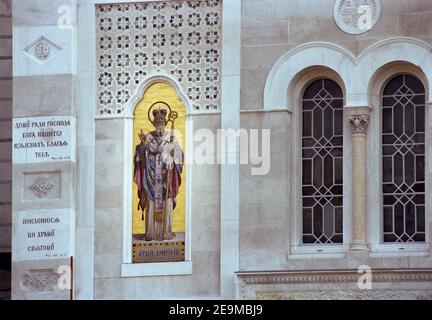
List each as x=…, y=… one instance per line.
x=296, y=92
x=375, y=198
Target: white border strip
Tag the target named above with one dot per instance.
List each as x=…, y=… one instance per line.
x=230, y=174
x=86, y=110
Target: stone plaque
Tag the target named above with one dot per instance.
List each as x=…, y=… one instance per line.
x=42, y=235
x=167, y=251
x=357, y=16
x=43, y=139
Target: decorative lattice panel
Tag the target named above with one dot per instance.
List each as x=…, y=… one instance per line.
x=179, y=38
x=322, y=167
x=403, y=147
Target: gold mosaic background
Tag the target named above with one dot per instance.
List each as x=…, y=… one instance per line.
x=166, y=93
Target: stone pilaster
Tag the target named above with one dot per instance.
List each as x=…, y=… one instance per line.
x=44, y=149
x=359, y=117
x=230, y=173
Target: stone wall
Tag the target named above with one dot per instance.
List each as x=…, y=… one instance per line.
x=5, y=125
x=44, y=185
x=265, y=200
x=186, y=36
x=205, y=217
x=270, y=28
x=93, y=187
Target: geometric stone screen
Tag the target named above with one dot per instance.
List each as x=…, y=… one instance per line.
x=181, y=39
x=403, y=151
x=322, y=163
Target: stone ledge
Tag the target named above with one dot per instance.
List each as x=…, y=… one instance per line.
x=347, y=295
x=335, y=284
x=378, y=275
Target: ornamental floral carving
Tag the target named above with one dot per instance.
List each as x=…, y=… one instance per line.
x=41, y=187
x=359, y=119
x=332, y=285
x=40, y=280
x=346, y=295
x=42, y=49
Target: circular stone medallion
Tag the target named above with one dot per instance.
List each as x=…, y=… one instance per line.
x=357, y=16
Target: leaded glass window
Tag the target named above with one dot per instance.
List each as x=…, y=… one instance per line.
x=322, y=163
x=403, y=148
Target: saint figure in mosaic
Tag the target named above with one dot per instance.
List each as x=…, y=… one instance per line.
x=158, y=164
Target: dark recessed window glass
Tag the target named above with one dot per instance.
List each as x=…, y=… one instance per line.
x=403, y=148
x=322, y=170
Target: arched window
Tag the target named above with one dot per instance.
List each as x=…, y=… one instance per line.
x=403, y=152
x=322, y=163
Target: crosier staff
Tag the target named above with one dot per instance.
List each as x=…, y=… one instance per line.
x=172, y=118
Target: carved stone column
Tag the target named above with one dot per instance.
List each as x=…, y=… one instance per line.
x=359, y=118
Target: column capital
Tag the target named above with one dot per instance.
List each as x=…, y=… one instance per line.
x=359, y=118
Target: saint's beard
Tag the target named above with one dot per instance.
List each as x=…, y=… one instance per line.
x=160, y=129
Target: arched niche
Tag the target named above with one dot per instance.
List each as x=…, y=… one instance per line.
x=162, y=88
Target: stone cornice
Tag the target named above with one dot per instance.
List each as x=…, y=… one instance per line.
x=338, y=276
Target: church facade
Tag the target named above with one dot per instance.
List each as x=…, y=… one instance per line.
x=216, y=149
